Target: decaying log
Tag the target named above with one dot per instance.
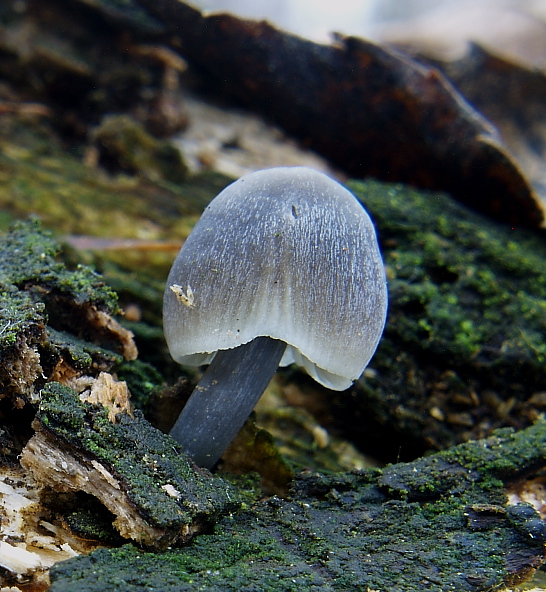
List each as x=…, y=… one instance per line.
x=371, y=110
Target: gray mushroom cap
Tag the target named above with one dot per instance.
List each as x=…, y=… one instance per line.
x=286, y=253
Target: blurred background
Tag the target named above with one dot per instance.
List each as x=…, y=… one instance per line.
x=511, y=27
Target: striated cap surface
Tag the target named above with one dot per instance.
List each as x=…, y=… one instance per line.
x=286, y=253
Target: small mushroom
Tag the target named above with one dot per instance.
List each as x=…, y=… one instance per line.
x=283, y=267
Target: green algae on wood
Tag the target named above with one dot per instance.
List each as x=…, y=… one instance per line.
x=37, y=292
x=157, y=494
x=30, y=262
x=461, y=283
x=463, y=351
x=22, y=329
x=81, y=355
x=408, y=527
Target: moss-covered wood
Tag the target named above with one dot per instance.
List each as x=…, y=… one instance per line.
x=39, y=297
x=30, y=262
x=440, y=524
x=157, y=494
x=464, y=350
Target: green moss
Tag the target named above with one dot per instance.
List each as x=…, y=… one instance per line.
x=47, y=313
x=142, y=379
x=79, y=354
x=144, y=459
x=20, y=316
x=248, y=486
x=30, y=261
x=438, y=524
x=472, y=283
x=467, y=299
x=484, y=464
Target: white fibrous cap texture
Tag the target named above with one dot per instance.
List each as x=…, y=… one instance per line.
x=287, y=253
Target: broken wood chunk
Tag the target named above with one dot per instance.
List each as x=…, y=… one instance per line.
x=55, y=323
x=28, y=547
x=107, y=328
x=157, y=495
x=104, y=390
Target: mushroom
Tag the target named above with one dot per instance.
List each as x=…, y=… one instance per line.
x=283, y=267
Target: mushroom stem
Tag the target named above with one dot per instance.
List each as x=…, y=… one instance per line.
x=225, y=397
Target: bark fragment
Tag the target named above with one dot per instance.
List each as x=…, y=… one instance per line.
x=159, y=498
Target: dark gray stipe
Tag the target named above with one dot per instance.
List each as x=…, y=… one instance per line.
x=225, y=397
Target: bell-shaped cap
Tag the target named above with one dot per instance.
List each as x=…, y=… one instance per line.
x=286, y=253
